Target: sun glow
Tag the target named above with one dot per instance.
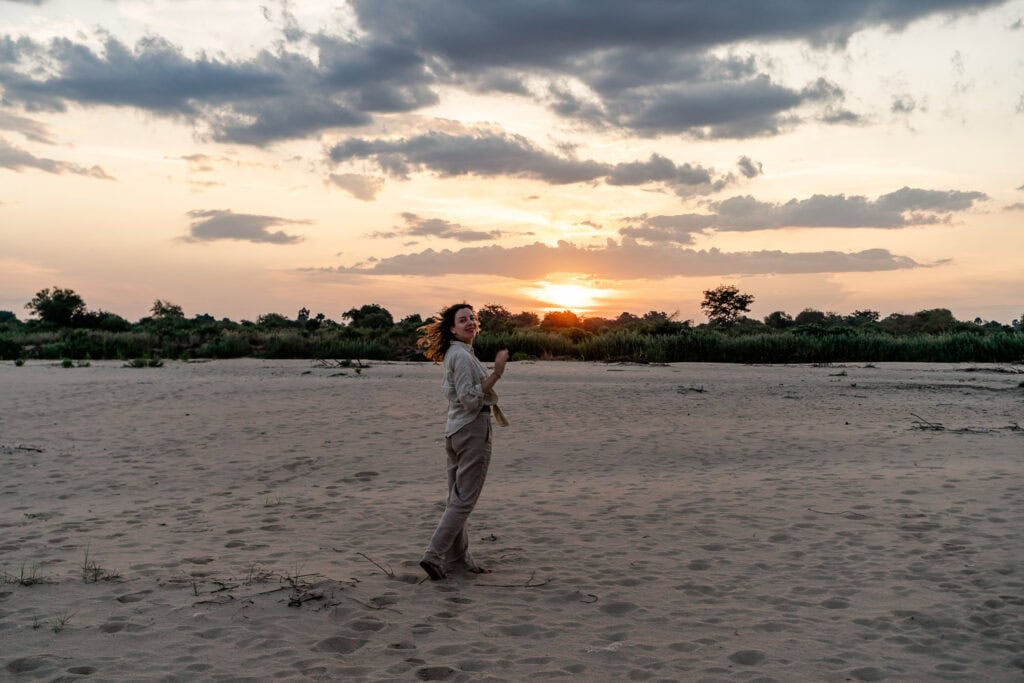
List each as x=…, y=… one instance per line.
x=577, y=298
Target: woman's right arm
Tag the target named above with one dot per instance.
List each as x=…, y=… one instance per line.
x=499, y=369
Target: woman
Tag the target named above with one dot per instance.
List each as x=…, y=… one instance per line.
x=469, y=389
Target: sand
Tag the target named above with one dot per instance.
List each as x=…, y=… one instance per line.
x=260, y=520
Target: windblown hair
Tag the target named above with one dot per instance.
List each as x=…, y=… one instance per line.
x=436, y=336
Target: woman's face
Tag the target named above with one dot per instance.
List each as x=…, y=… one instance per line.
x=465, y=327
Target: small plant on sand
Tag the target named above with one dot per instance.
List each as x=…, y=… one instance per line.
x=27, y=577
x=300, y=588
x=58, y=623
x=67, y=363
x=144, y=363
x=92, y=572
x=258, y=574
x=19, y=362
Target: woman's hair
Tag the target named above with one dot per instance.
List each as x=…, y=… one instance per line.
x=436, y=336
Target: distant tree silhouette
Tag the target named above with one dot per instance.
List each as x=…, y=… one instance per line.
x=57, y=306
x=495, y=318
x=724, y=304
x=810, y=316
x=165, y=309
x=526, y=319
x=779, y=320
x=369, y=316
x=273, y=321
x=560, y=319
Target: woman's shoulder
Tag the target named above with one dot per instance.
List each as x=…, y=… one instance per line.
x=458, y=353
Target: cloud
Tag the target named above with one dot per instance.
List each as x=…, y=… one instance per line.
x=272, y=96
x=212, y=225
x=903, y=104
x=628, y=260
x=1016, y=206
x=749, y=168
x=32, y=130
x=472, y=34
x=18, y=159
x=488, y=154
x=648, y=66
x=899, y=209
x=416, y=226
x=363, y=187
x=903, y=208
x=679, y=228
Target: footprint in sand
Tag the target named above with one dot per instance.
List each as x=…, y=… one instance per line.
x=116, y=625
x=133, y=597
x=435, y=673
x=339, y=645
x=748, y=657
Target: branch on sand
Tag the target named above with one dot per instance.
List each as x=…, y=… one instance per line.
x=529, y=583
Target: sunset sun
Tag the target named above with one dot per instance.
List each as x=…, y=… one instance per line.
x=568, y=296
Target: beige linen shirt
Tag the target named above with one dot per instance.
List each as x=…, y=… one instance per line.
x=462, y=386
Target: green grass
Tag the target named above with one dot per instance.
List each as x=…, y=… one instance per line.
x=805, y=344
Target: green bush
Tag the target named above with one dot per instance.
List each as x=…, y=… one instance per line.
x=10, y=349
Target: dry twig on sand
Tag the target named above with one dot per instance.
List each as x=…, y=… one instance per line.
x=921, y=423
x=389, y=571
x=336, y=363
x=849, y=514
x=529, y=583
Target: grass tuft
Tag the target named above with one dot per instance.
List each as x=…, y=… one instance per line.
x=29, y=577
x=92, y=572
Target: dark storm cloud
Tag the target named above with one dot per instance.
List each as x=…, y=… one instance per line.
x=628, y=260
x=488, y=154
x=17, y=159
x=212, y=225
x=903, y=208
x=417, y=226
x=644, y=66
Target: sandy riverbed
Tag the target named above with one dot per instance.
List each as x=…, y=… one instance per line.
x=256, y=520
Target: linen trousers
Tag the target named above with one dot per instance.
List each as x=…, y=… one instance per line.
x=469, y=456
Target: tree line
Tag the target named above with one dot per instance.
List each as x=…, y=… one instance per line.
x=64, y=328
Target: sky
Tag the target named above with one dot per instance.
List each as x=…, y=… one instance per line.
x=240, y=158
